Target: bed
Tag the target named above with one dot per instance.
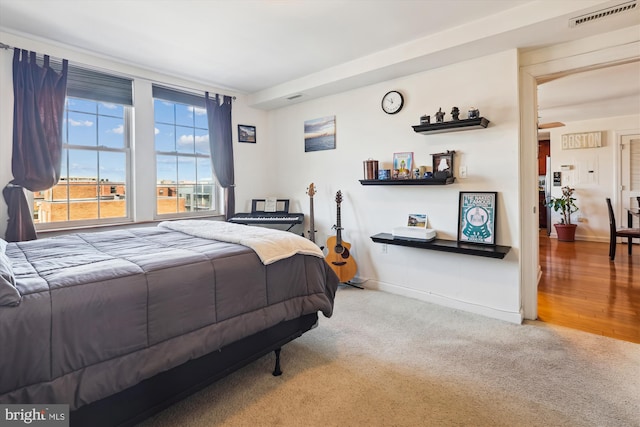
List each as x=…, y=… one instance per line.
x=120, y=324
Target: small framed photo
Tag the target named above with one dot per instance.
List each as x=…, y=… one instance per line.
x=403, y=163
x=417, y=220
x=443, y=164
x=477, y=217
x=247, y=133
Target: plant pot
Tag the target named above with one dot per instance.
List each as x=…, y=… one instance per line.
x=566, y=232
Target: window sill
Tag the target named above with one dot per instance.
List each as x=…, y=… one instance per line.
x=50, y=232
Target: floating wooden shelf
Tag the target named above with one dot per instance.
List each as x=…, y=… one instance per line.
x=426, y=181
x=452, y=126
x=443, y=245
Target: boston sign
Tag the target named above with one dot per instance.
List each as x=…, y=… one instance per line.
x=571, y=141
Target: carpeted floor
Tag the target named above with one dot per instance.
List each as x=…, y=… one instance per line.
x=386, y=360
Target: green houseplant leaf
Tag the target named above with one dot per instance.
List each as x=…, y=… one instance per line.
x=564, y=204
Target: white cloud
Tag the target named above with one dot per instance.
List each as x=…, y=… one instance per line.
x=109, y=106
x=156, y=130
x=118, y=129
x=201, y=139
x=189, y=139
x=185, y=139
x=86, y=123
x=198, y=111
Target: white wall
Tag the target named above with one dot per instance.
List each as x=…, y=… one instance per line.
x=483, y=285
x=590, y=193
x=277, y=165
x=254, y=176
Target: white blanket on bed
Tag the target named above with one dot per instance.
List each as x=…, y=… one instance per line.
x=270, y=245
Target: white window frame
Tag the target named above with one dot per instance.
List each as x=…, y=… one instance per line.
x=129, y=184
x=216, y=190
x=99, y=85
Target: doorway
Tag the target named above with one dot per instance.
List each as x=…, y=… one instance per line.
x=629, y=150
x=544, y=181
x=534, y=70
x=572, y=291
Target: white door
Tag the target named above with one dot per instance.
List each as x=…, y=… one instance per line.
x=629, y=177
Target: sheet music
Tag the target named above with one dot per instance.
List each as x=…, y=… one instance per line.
x=270, y=204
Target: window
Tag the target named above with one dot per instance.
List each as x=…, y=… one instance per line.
x=94, y=174
x=184, y=177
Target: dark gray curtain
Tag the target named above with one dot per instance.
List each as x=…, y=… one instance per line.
x=39, y=93
x=221, y=142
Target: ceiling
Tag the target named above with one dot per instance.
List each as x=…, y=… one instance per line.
x=271, y=50
x=606, y=92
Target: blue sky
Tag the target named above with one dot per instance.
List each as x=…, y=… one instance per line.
x=183, y=129
x=178, y=128
x=318, y=127
x=87, y=123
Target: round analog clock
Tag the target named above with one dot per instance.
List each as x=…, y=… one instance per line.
x=392, y=102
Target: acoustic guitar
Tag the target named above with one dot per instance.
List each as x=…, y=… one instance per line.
x=339, y=257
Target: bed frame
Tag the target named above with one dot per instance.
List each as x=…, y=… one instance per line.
x=152, y=395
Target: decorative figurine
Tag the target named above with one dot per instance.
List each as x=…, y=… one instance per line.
x=443, y=165
x=425, y=120
x=474, y=113
x=440, y=115
x=455, y=113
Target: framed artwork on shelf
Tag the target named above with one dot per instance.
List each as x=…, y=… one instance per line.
x=247, y=133
x=477, y=217
x=402, y=165
x=443, y=164
x=417, y=220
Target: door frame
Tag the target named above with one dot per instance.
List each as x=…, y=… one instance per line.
x=602, y=51
x=617, y=182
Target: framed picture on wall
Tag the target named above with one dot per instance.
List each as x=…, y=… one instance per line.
x=247, y=133
x=320, y=134
x=477, y=217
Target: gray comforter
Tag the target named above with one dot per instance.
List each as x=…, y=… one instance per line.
x=102, y=311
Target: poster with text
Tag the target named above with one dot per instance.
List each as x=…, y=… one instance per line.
x=477, y=217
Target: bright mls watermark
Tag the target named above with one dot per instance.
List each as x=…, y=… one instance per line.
x=34, y=415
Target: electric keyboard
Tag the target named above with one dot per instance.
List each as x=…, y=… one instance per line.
x=267, y=218
x=258, y=215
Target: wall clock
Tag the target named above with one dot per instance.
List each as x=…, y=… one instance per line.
x=392, y=102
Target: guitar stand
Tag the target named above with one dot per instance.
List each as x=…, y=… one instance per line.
x=352, y=285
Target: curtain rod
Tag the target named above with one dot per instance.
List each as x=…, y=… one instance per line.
x=6, y=46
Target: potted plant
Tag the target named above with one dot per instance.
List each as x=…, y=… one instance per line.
x=566, y=205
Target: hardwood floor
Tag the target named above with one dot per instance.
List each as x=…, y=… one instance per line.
x=582, y=289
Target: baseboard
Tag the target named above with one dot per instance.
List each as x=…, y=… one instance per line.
x=597, y=239
x=512, y=317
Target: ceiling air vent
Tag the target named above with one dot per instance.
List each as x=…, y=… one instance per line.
x=613, y=10
x=294, y=96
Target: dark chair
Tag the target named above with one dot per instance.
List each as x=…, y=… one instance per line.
x=614, y=232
